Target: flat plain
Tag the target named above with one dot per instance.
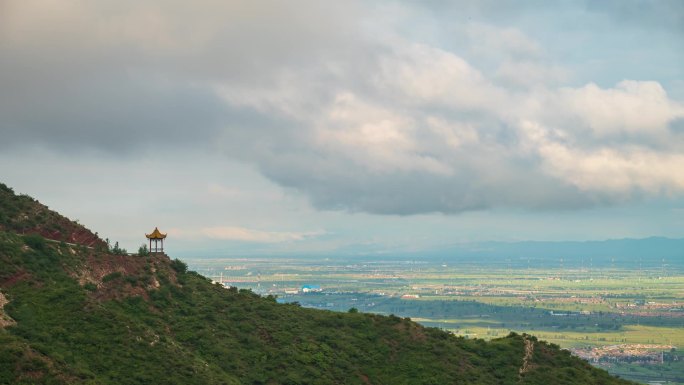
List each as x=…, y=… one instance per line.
x=627, y=317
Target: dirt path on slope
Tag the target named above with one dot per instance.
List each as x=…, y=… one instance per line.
x=529, y=350
x=5, y=320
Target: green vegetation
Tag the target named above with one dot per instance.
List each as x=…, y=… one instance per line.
x=22, y=214
x=203, y=333
x=143, y=251
x=580, y=307
x=116, y=250
x=670, y=372
x=112, y=276
x=179, y=266
x=88, y=316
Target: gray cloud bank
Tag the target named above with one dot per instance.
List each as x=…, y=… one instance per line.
x=360, y=106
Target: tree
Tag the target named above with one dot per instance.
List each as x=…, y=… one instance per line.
x=118, y=250
x=143, y=251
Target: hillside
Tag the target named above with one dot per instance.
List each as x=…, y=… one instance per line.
x=72, y=312
x=22, y=214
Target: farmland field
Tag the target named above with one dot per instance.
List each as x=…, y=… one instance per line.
x=627, y=318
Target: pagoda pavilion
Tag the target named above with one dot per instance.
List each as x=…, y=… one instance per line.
x=157, y=237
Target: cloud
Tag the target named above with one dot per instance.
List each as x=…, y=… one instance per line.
x=118, y=76
x=610, y=171
x=631, y=107
x=512, y=41
x=321, y=102
x=435, y=135
x=432, y=76
x=258, y=236
x=527, y=74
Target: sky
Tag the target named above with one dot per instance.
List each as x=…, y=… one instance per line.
x=346, y=127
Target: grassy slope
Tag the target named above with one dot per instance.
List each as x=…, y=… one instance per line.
x=84, y=316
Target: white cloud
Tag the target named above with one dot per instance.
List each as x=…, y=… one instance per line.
x=233, y=233
x=356, y=118
x=454, y=134
x=631, y=107
x=431, y=76
x=429, y=115
x=378, y=139
x=618, y=171
x=530, y=74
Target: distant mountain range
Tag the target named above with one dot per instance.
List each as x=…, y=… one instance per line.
x=648, y=253
x=654, y=252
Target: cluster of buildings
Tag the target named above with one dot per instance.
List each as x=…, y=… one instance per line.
x=641, y=353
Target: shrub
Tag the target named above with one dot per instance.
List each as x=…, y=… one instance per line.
x=146, y=280
x=179, y=266
x=90, y=286
x=35, y=242
x=143, y=251
x=111, y=276
x=118, y=250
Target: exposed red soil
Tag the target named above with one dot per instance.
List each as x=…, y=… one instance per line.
x=365, y=379
x=70, y=232
x=146, y=270
x=13, y=279
x=32, y=217
x=91, y=265
x=51, y=367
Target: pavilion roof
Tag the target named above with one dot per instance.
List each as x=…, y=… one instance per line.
x=156, y=234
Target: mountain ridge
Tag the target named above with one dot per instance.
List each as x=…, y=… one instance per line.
x=83, y=314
